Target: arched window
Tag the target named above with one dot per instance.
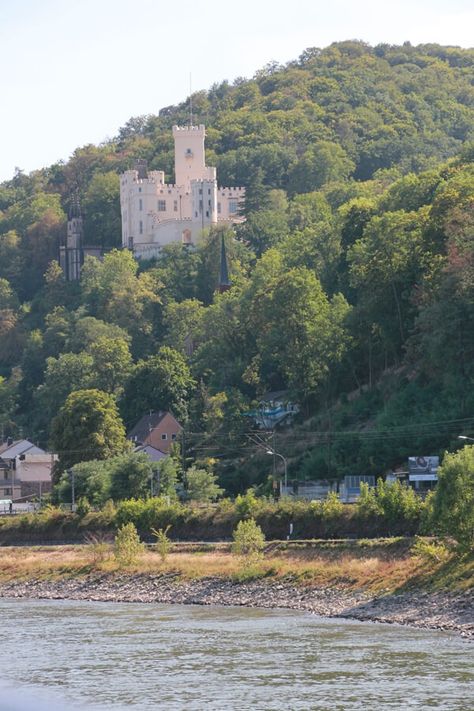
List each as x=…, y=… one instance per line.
x=186, y=236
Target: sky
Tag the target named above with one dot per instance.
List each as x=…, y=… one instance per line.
x=74, y=71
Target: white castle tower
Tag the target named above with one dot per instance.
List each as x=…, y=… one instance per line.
x=155, y=213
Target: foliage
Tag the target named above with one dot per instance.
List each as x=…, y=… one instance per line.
x=201, y=485
x=128, y=546
x=87, y=427
x=163, y=543
x=453, y=502
x=249, y=541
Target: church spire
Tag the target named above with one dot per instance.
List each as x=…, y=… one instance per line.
x=224, y=282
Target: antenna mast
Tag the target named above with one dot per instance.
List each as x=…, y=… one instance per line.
x=190, y=100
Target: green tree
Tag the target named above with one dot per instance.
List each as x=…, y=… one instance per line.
x=249, y=541
x=112, y=363
x=453, y=502
x=202, y=485
x=101, y=205
x=161, y=382
x=88, y=426
x=168, y=477
x=131, y=476
x=128, y=547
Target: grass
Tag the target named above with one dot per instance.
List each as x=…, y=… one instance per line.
x=381, y=566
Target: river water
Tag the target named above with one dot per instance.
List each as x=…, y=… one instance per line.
x=57, y=655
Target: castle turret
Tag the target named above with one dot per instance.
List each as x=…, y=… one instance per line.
x=224, y=281
x=71, y=254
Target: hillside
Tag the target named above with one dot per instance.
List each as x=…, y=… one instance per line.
x=352, y=275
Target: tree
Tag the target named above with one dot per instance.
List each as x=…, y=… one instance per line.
x=168, y=477
x=112, y=363
x=70, y=372
x=88, y=426
x=161, y=382
x=128, y=547
x=114, y=292
x=453, y=502
x=101, y=204
x=202, y=485
x=249, y=541
x=131, y=476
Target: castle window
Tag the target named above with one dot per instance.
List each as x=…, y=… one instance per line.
x=140, y=227
x=209, y=203
x=207, y=213
x=161, y=205
x=233, y=206
x=209, y=191
x=140, y=204
x=219, y=208
x=175, y=206
x=139, y=190
x=200, y=191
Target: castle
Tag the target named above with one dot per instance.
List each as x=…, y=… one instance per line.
x=155, y=213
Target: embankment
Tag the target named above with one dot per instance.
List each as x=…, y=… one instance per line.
x=380, y=582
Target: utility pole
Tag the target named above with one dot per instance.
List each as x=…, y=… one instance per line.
x=73, y=490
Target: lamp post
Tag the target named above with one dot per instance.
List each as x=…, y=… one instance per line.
x=276, y=454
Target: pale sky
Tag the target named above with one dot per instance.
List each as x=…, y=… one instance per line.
x=74, y=71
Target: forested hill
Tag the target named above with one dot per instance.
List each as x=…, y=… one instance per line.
x=352, y=276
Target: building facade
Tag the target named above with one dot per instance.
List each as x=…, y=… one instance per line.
x=158, y=429
x=155, y=213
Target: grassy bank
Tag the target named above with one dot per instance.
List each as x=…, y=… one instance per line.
x=379, y=566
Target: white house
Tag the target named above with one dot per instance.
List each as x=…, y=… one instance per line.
x=155, y=213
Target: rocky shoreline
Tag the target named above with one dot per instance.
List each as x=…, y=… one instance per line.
x=442, y=611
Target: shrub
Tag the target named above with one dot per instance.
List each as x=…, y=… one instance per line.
x=163, y=543
x=98, y=548
x=249, y=541
x=433, y=551
x=247, y=505
x=83, y=507
x=128, y=546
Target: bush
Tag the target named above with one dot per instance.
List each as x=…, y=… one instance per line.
x=249, y=541
x=128, y=546
x=433, y=551
x=247, y=505
x=163, y=543
x=83, y=507
x=98, y=547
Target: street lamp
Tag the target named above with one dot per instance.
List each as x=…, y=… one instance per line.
x=471, y=439
x=276, y=454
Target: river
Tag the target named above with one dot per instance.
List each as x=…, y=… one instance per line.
x=59, y=654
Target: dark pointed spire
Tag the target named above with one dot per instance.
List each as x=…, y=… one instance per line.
x=224, y=282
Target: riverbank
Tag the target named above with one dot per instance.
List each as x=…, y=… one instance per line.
x=441, y=610
x=382, y=581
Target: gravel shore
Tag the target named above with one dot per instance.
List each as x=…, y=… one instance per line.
x=443, y=611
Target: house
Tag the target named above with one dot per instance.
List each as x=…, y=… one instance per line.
x=31, y=466
x=273, y=408
x=155, y=213
x=158, y=430
x=153, y=454
x=9, y=484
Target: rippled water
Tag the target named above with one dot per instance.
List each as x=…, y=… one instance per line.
x=118, y=656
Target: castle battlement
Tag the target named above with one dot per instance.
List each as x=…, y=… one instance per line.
x=185, y=129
